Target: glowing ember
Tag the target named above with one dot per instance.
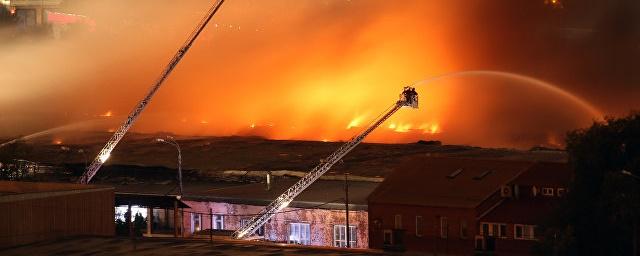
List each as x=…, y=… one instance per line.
x=252, y=125
x=355, y=122
x=392, y=126
x=403, y=128
x=57, y=141
x=107, y=114
x=434, y=128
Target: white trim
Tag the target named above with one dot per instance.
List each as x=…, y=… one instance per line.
x=340, y=236
x=444, y=227
x=299, y=233
x=419, y=226
x=527, y=232
x=548, y=191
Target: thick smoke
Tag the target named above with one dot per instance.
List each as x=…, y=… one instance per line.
x=290, y=69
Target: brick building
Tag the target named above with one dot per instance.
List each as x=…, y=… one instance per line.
x=463, y=206
x=316, y=217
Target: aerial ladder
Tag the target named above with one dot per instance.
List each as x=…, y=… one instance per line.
x=105, y=153
x=408, y=98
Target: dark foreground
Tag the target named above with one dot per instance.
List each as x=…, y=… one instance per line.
x=169, y=246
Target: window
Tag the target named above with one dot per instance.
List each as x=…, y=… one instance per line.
x=340, y=236
x=463, y=229
x=259, y=231
x=196, y=222
x=388, y=237
x=299, y=233
x=547, y=191
x=419, y=226
x=218, y=221
x=398, y=221
x=560, y=191
x=493, y=229
x=444, y=227
x=485, y=229
x=503, y=230
x=524, y=232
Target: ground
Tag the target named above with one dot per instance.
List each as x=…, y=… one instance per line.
x=208, y=158
x=169, y=246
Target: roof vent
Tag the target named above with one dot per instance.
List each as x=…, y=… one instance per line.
x=482, y=175
x=454, y=173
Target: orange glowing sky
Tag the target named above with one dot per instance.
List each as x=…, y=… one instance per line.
x=285, y=69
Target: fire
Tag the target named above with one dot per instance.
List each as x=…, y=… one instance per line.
x=392, y=126
x=403, y=128
x=434, y=128
x=431, y=128
x=253, y=125
x=107, y=114
x=355, y=122
x=204, y=122
x=57, y=141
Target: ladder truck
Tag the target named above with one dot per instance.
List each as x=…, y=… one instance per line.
x=408, y=98
x=104, y=154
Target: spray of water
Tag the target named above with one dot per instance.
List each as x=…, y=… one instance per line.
x=595, y=112
x=68, y=127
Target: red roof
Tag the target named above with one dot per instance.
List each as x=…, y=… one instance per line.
x=546, y=174
x=446, y=182
x=521, y=211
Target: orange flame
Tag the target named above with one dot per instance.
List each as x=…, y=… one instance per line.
x=107, y=114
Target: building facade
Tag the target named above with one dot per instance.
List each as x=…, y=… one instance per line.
x=317, y=217
x=317, y=227
x=464, y=206
x=38, y=211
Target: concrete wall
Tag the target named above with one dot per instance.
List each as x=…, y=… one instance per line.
x=31, y=217
x=277, y=229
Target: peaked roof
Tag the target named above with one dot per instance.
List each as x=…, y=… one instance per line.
x=546, y=174
x=446, y=182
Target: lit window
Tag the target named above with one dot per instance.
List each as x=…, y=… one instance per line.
x=444, y=227
x=259, y=231
x=419, y=225
x=299, y=233
x=524, y=232
x=398, y=221
x=196, y=222
x=218, y=221
x=547, y=191
x=340, y=236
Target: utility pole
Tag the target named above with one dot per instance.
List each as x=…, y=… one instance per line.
x=171, y=141
x=175, y=218
x=346, y=208
x=210, y=224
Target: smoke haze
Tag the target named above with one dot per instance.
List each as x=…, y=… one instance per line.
x=322, y=70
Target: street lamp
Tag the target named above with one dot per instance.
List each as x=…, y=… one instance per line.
x=628, y=173
x=169, y=140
